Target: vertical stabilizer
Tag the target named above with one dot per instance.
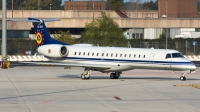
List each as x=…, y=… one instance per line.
x=41, y=33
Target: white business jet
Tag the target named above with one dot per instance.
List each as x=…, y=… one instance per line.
x=112, y=60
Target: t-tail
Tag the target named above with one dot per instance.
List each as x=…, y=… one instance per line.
x=41, y=33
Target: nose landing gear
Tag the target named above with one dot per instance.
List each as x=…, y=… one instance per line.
x=183, y=78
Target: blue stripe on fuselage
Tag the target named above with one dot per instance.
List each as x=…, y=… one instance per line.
x=127, y=61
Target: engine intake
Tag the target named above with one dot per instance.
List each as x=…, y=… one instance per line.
x=53, y=50
x=63, y=51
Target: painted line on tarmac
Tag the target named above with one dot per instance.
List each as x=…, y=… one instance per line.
x=116, y=97
x=197, y=86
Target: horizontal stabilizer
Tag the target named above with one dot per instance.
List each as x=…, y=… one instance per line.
x=34, y=20
x=22, y=20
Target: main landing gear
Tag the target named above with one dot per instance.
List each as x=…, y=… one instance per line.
x=86, y=74
x=182, y=78
x=115, y=75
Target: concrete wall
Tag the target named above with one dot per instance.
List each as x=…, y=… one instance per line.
x=143, y=14
x=84, y=5
x=77, y=19
x=178, y=8
x=57, y=14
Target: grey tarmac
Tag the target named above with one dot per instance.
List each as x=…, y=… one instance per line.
x=55, y=89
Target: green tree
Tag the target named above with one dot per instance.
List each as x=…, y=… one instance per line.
x=65, y=37
x=104, y=32
x=150, y=5
x=115, y=4
x=43, y=5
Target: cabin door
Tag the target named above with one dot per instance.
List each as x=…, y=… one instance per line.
x=151, y=59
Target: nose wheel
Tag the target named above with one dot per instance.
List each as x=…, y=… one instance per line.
x=183, y=78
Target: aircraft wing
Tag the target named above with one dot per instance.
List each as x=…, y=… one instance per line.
x=91, y=66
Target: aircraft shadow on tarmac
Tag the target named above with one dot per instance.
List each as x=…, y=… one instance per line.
x=121, y=77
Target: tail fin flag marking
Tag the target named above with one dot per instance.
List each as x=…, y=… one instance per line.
x=41, y=33
x=39, y=38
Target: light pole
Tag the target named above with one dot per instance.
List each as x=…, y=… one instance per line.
x=166, y=22
x=12, y=8
x=38, y=8
x=50, y=6
x=93, y=10
x=4, y=35
x=164, y=16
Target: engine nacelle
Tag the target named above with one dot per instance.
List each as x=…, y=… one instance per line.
x=53, y=50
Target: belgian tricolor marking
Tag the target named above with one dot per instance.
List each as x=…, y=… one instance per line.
x=39, y=38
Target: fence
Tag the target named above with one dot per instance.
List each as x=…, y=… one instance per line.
x=20, y=48
x=186, y=48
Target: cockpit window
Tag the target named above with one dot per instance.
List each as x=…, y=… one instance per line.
x=168, y=56
x=177, y=55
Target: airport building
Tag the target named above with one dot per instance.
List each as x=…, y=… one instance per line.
x=171, y=18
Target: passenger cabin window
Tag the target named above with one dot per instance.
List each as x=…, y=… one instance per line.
x=120, y=55
x=102, y=54
x=168, y=56
x=125, y=55
x=111, y=54
x=129, y=55
x=116, y=55
x=107, y=54
x=139, y=56
x=79, y=53
x=134, y=55
x=177, y=55
x=92, y=54
x=97, y=54
x=84, y=53
x=88, y=54
x=144, y=56
x=75, y=53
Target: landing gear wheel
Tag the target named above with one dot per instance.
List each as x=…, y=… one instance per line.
x=112, y=75
x=182, y=78
x=87, y=77
x=116, y=77
x=82, y=76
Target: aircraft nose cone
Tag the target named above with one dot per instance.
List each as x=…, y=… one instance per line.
x=193, y=67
